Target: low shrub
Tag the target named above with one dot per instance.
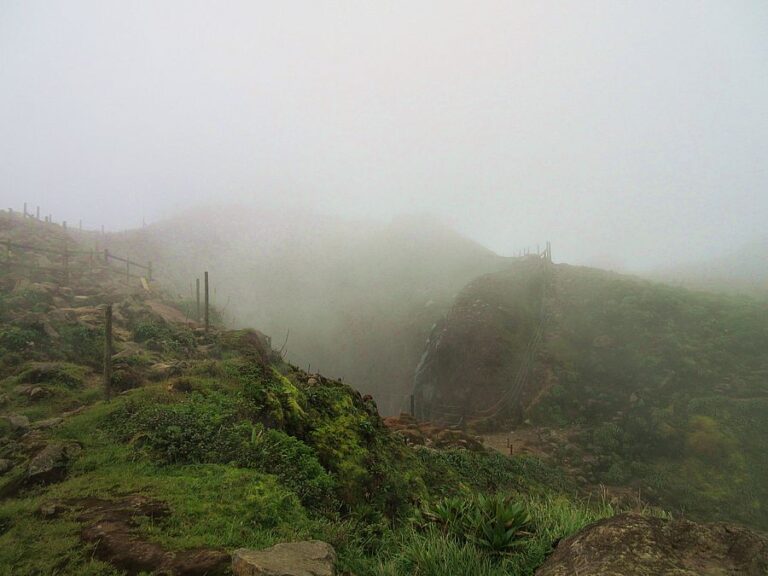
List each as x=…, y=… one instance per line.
x=295, y=464
x=60, y=373
x=82, y=344
x=16, y=339
x=164, y=338
x=496, y=523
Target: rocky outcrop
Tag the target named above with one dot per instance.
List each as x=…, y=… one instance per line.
x=473, y=356
x=310, y=558
x=642, y=546
x=251, y=343
x=50, y=464
x=18, y=423
x=417, y=433
x=5, y=465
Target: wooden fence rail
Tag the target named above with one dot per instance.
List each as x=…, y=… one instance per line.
x=65, y=254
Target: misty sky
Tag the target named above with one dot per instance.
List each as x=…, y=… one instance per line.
x=629, y=133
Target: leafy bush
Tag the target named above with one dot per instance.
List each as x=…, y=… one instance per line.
x=16, y=339
x=447, y=471
x=60, y=373
x=164, y=338
x=295, y=464
x=195, y=431
x=82, y=344
x=208, y=430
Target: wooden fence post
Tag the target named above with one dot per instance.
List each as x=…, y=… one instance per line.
x=207, y=318
x=37, y=213
x=197, y=282
x=108, y=351
x=149, y=270
x=106, y=256
x=413, y=406
x=25, y=209
x=128, y=270
x=64, y=224
x=66, y=263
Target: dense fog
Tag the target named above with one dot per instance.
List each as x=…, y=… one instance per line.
x=631, y=135
x=383, y=287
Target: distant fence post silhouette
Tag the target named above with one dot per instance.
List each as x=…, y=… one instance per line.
x=207, y=324
x=197, y=291
x=108, y=351
x=66, y=263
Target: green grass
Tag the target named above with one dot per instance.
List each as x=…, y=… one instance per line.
x=431, y=552
x=220, y=504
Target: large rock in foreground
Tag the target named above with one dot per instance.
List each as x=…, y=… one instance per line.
x=311, y=558
x=639, y=546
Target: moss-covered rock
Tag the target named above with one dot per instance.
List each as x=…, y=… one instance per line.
x=59, y=373
x=644, y=546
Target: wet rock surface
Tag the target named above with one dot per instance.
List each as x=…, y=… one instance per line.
x=310, y=558
x=631, y=544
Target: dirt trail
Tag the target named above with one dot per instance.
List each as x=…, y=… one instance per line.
x=169, y=313
x=521, y=441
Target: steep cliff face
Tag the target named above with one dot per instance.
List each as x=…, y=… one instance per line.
x=471, y=367
x=658, y=388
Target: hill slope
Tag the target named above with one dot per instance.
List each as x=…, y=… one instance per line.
x=659, y=388
x=358, y=298
x=741, y=271
x=213, y=442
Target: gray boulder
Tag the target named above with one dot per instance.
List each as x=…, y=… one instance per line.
x=18, y=423
x=643, y=546
x=5, y=465
x=47, y=423
x=310, y=558
x=51, y=463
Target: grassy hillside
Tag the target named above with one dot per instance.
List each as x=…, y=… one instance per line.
x=669, y=386
x=213, y=442
x=659, y=388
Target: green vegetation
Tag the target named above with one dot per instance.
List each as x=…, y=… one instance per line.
x=162, y=337
x=245, y=458
x=492, y=522
x=244, y=450
x=669, y=388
